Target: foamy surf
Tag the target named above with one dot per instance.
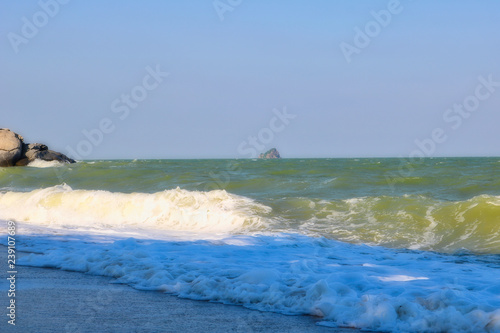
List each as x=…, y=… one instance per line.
x=413, y=222
x=296, y=236
x=61, y=206
x=408, y=221
x=46, y=164
x=347, y=285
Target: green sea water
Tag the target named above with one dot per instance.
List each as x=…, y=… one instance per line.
x=438, y=204
x=377, y=244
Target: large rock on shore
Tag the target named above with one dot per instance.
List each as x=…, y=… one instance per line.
x=38, y=151
x=11, y=147
x=14, y=152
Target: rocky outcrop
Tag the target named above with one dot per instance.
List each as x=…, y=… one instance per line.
x=272, y=153
x=14, y=152
x=38, y=151
x=11, y=147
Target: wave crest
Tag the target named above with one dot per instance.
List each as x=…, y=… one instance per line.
x=177, y=209
x=409, y=221
x=46, y=164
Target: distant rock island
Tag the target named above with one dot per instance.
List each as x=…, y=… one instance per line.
x=14, y=152
x=271, y=153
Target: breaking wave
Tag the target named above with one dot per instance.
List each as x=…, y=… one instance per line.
x=177, y=209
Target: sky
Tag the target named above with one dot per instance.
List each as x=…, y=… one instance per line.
x=233, y=78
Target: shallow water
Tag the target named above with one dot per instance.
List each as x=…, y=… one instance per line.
x=372, y=243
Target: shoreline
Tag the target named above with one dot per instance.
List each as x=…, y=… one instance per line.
x=49, y=300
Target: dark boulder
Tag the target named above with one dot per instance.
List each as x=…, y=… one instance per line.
x=13, y=151
x=40, y=151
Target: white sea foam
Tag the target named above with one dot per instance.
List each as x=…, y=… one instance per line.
x=45, y=164
x=215, y=211
x=348, y=285
x=149, y=242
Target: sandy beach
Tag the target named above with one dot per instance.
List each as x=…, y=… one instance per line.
x=50, y=300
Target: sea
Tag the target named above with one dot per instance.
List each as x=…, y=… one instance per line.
x=377, y=244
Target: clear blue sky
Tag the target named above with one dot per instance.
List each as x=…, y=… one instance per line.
x=227, y=76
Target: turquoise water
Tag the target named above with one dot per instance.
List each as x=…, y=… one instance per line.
x=378, y=244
